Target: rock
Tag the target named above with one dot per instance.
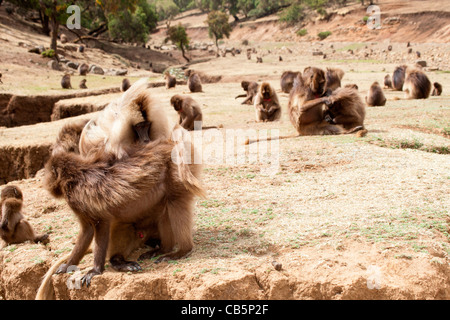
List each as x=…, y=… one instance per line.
x=63, y=38
x=421, y=63
x=53, y=64
x=121, y=72
x=81, y=48
x=317, y=53
x=38, y=49
x=278, y=266
x=97, y=70
x=73, y=65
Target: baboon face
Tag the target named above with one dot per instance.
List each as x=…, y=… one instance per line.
x=266, y=92
x=11, y=192
x=316, y=80
x=244, y=85
x=176, y=103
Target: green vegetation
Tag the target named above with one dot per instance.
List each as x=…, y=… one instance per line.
x=293, y=14
x=178, y=36
x=324, y=34
x=218, y=26
x=302, y=32
x=50, y=53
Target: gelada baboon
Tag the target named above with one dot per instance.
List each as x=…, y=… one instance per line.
x=251, y=88
x=437, y=89
x=346, y=108
x=189, y=111
x=83, y=69
x=333, y=78
x=387, y=82
x=82, y=84
x=375, y=96
x=135, y=116
x=171, y=81
x=352, y=86
x=417, y=85
x=13, y=227
x=287, y=80
x=398, y=78
x=125, y=85
x=65, y=81
x=194, y=83
x=151, y=186
x=267, y=106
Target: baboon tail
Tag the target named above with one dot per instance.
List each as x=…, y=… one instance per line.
x=45, y=291
x=249, y=141
x=359, y=130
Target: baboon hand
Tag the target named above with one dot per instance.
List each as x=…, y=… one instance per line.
x=86, y=279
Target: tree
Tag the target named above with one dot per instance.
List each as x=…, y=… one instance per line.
x=178, y=36
x=218, y=26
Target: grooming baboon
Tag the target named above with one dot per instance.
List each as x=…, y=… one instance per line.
x=83, y=69
x=398, y=77
x=252, y=90
x=387, y=82
x=417, y=85
x=351, y=86
x=437, y=89
x=287, y=80
x=267, y=106
x=134, y=117
x=13, y=227
x=65, y=81
x=125, y=85
x=171, y=81
x=82, y=84
x=333, y=78
x=375, y=96
x=188, y=109
x=194, y=83
x=147, y=187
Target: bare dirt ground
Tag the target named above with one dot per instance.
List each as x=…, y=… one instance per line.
x=347, y=217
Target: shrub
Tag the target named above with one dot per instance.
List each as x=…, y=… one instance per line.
x=50, y=53
x=324, y=34
x=302, y=32
x=293, y=14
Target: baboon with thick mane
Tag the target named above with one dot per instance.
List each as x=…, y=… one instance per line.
x=398, y=77
x=287, y=80
x=375, y=95
x=417, y=85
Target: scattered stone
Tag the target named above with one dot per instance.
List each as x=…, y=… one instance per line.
x=121, y=72
x=278, y=266
x=81, y=48
x=73, y=65
x=83, y=69
x=53, y=64
x=97, y=70
x=421, y=63
x=317, y=53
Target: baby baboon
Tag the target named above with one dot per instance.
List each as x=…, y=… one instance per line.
x=171, y=81
x=346, y=108
x=125, y=85
x=267, y=106
x=375, y=96
x=194, y=83
x=334, y=77
x=437, y=90
x=82, y=84
x=387, y=82
x=83, y=69
x=65, y=82
x=287, y=80
x=417, y=85
x=14, y=228
x=252, y=90
x=188, y=110
x=398, y=78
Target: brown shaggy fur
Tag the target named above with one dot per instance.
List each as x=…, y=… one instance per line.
x=347, y=109
x=204, y=78
x=398, y=77
x=375, y=96
x=267, y=106
x=287, y=80
x=13, y=226
x=334, y=77
x=146, y=187
x=437, y=89
x=306, y=104
x=387, y=82
x=251, y=88
x=125, y=85
x=171, y=81
x=188, y=109
x=417, y=85
x=194, y=83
